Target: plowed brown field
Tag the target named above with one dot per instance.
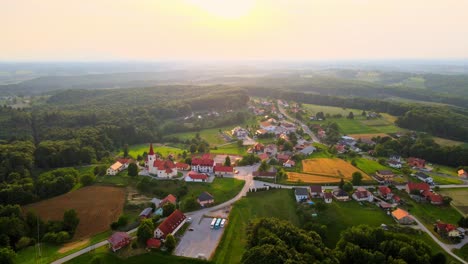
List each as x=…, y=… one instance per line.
x=97, y=208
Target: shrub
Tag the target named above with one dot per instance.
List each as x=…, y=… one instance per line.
x=23, y=242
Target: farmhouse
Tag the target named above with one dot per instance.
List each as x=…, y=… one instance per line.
x=196, y=177
x=424, y=177
x=385, y=176
x=385, y=192
x=416, y=162
x=447, y=230
x=205, y=199
x=363, y=195
x=115, y=168
x=204, y=165
x=223, y=170
x=340, y=195
x=327, y=197
x=289, y=163
x=315, y=191
x=170, y=225
x=301, y=194
x=402, y=217
x=119, y=240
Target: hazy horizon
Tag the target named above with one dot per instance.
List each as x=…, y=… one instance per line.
x=233, y=30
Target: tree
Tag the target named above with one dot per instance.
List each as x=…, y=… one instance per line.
x=341, y=185
x=353, y=162
x=240, y=143
x=145, y=230
x=227, y=161
x=168, y=208
x=363, y=113
x=170, y=242
x=350, y=115
x=191, y=204
x=193, y=148
x=357, y=178
x=347, y=187
x=201, y=148
x=125, y=150
x=70, y=221
x=287, y=146
x=7, y=256
x=263, y=166
x=100, y=170
x=132, y=169
x=87, y=179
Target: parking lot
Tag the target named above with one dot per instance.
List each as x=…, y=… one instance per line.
x=202, y=240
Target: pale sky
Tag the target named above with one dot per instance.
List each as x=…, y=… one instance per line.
x=232, y=29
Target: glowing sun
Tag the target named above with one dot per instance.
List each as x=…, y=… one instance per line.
x=226, y=9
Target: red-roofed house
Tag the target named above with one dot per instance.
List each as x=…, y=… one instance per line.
x=170, y=225
x=263, y=156
x=182, y=166
x=447, y=230
x=223, y=170
x=416, y=162
x=328, y=197
x=125, y=162
x=289, y=163
x=153, y=243
x=340, y=149
x=168, y=199
x=385, y=192
x=203, y=165
x=282, y=157
x=363, y=195
x=435, y=198
x=420, y=187
x=195, y=177
x=119, y=240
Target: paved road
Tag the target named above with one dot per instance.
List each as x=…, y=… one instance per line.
x=304, y=127
x=447, y=248
x=86, y=250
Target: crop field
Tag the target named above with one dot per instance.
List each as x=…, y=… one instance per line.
x=97, y=208
x=325, y=170
x=368, y=136
x=460, y=198
x=448, y=142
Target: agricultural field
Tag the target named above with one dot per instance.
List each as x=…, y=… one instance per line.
x=139, y=149
x=448, y=142
x=368, y=136
x=460, y=198
x=212, y=135
x=231, y=149
x=371, y=166
x=332, y=110
x=310, y=178
x=97, y=208
x=274, y=203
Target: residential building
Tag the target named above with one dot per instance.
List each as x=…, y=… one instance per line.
x=447, y=230
x=301, y=194
x=416, y=162
x=289, y=163
x=146, y=213
x=168, y=199
x=385, y=176
x=205, y=199
x=223, y=170
x=402, y=217
x=417, y=187
x=270, y=174
x=115, y=168
x=239, y=132
x=315, y=191
x=327, y=197
x=196, y=177
x=385, y=192
x=340, y=195
x=394, y=164
x=119, y=240
x=271, y=150
x=308, y=150
x=203, y=165
x=170, y=225
x=182, y=166
x=267, y=126
x=462, y=173
x=282, y=158
x=363, y=195
x=424, y=177
x=263, y=156
x=153, y=243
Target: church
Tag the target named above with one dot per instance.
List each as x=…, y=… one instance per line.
x=158, y=167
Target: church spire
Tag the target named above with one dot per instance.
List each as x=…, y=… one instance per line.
x=151, y=152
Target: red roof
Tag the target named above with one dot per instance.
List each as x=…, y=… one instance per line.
x=282, y=157
x=118, y=237
x=384, y=190
x=418, y=186
x=263, y=156
x=223, y=169
x=197, y=176
x=181, y=165
x=202, y=162
x=124, y=161
x=396, y=198
x=436, y=198
x=166, y=165
x=327, y=195
x=171, y=222
x=151, y=151
x=416, y=162
x=153, y=243
x=445, y=227
x=168, y=199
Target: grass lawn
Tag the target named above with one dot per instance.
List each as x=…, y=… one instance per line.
x=211, y=135
x=121, y=179
x=445, y=180
x=51, y=252
x=341, y=215
x=135, y=150
x=447, y=142
x=445, y=169
x=222, y=189
x=370, y=166
x=428, y=213
x=231, y=149
x=275, y=203
x=332, y=110
x=107, y=257
x=462, y=252
x=459, y=196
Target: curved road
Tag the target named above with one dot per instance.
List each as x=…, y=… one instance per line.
x=304, y=127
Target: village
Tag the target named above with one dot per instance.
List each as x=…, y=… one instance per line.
x=280, y=152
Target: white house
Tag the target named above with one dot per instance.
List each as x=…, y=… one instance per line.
x=115, y=168
x=301, y=194
x=394, y=164
x=289, y=164
x=240, y=132
x=203, y=165
x=424, y=177
x=363, y=195
x=327, y=197
x=267, y=126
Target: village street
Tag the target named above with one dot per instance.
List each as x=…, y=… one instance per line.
x=304, y=127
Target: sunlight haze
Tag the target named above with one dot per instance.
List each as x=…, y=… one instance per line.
x=232, y=30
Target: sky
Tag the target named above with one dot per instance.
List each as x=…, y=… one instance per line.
x=233, y=29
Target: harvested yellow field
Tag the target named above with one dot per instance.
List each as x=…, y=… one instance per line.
x=331, y=168
x=309, y=178
x=368, y=136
